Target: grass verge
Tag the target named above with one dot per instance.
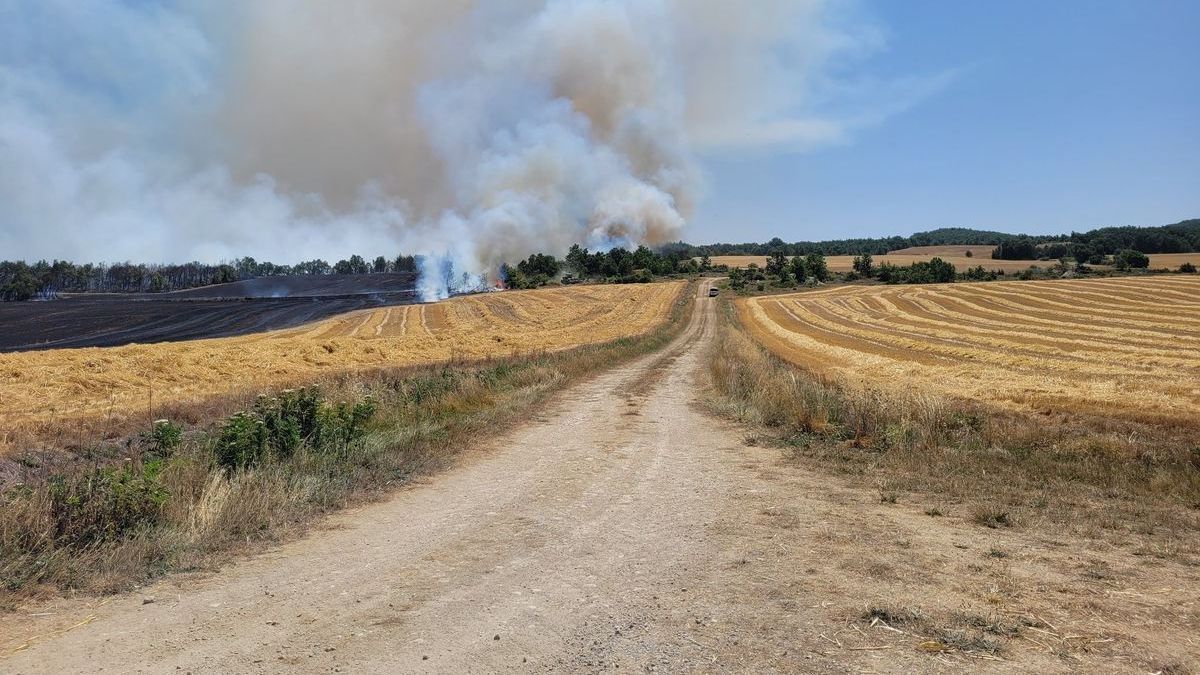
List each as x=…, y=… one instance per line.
x=993, y=468
x=112, y=515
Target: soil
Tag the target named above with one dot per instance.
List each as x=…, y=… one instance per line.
x=621, y=529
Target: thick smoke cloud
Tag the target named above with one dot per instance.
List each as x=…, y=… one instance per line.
x=475, y=132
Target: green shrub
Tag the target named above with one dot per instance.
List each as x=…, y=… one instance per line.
x=241, y=442
x=1130, y=259
x=935, y=271
x=103, y=504
x=1187, y=268
x=277, y=426
x=163, y=438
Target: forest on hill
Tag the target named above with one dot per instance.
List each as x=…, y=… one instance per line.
x=1181, y=237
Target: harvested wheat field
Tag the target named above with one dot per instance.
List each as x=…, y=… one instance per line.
x=845, y=263
x=40, y=387
x=959, y=250
x=1172, y=261
x=1126, y=347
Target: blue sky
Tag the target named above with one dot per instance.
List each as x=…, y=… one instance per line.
x=1060, y=115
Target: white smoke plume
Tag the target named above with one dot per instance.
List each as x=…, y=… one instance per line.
x=469, y=131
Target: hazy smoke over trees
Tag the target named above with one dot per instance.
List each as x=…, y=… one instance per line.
x=474, y=131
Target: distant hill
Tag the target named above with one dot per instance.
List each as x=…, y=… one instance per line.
x=947, y=236
x=1181, y=237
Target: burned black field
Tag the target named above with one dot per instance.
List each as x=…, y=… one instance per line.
x=269, y=303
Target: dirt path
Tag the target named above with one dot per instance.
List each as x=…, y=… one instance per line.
x=621, y=529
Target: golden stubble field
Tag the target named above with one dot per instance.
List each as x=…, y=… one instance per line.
x=1126, y=347
x=43, y=387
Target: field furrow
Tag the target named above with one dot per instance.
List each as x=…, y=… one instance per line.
x=40, y=388
x=1125, y=347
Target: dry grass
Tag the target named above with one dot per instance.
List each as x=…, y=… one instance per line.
x=85, y=392
x=845, y=263
x=1009, y=470
x=1071, y=539
x=1172, y=261
x=425, y=416
x=1126, y=347
x=960, y=250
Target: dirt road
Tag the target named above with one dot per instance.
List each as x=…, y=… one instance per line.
x=622, y=529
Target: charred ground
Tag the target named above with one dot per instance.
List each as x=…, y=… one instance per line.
x=223, y=310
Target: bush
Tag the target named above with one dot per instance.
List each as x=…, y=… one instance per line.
x=978, y=273
x=23, y=286
x=936, y=271
x=278, y=426
x=814, y=263
x=103, y=504
x=1131, y=259
x=1187, y=268
x=864, y=265
x=163, y=438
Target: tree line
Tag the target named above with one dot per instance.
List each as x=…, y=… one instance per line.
x=1094, y=246
x=24, y=281
x=958, y=236
x=1181, y=237
x=812, y=269
x=616, y=265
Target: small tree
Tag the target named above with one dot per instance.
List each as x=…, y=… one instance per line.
x=540, y=265
x=1187, y=268
x=864, y=265
x=225, y=274
x=380, y=265
x=799, y=271
x=513, y=277
x=705, y=263
x=815, y=264
x=737, y=279
x=940, y=271
x=404, y=263
x=777, y=264
x=1131, y=259
x=23, y=286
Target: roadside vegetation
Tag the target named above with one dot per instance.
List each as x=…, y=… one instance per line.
x=112, y=514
